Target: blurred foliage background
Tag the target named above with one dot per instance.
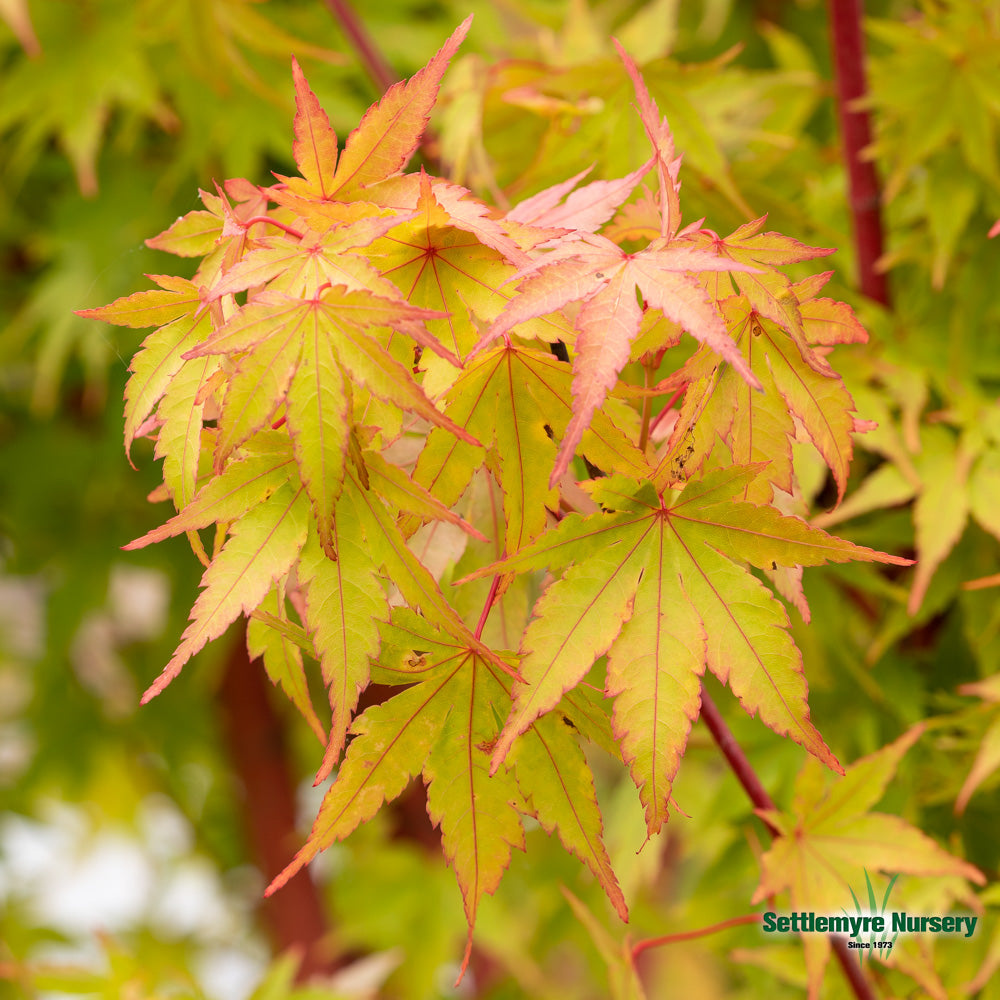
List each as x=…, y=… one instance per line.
x=125, y=864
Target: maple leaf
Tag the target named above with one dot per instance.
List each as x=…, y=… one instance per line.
x=302, y=352
x=760, y=427
x=599, y=274
x=515, y=400
x=941, y=510
x=221, y=232
x=304, y=263
x=952, y=479
x=988, y=756
x=662, y=140
x=243, y=485
x=438, y=264
x=658, y=583
x=453, y=259
x=828, y=836
x=585, y=209
x=315, y=145
x=387, y=548
x=442, y=726
x=181, y=435
x=768, y=290
x=191, y=235
x=383, y=142
x=344, y=601
x=623, y=976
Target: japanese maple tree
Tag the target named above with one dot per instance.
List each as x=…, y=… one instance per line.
x=368, y=361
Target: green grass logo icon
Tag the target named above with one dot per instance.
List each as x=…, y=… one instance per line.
x=879, y=943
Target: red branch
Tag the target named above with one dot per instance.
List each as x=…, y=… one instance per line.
x=747, y=777
x=734, y=754
x=382, y=74
x=855, y=128
x=379, y=70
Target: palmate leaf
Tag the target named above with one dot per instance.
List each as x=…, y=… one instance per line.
x=760, y=427
x=176, y=308
x=300, y=352
x=379, y=147
x=658, y=131
x=441, y=266
x=599, y=274
x=181, y=432
x=387, y=548
x=301, y=266
x=515, y=400
x=660, y=584
x=585, y=209
x=315, y=143
x=768, y=290
x=829, y=836
x=243, y=484
x=988, y=755
x=450, y=257
x=443, y=727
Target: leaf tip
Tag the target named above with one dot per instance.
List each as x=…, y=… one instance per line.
x=499, y=755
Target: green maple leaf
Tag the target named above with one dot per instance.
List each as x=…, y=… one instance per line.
x=759, y=427
x=516, y=401
x=305, y=353
x=659, y=583
x=443, y=726
x=766, y=288
x=988, y=756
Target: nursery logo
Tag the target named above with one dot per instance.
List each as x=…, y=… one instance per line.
x=872, y=930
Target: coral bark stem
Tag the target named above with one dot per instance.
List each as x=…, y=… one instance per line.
x=855, y=127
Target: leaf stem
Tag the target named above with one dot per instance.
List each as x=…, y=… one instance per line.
x=487, y=607
x=757, y=794
x=855, y=127
x=273, y=222
x=641, y=946
x=667, y=407
x=647, y=407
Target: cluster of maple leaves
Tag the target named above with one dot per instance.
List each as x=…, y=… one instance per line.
x=357, y=391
